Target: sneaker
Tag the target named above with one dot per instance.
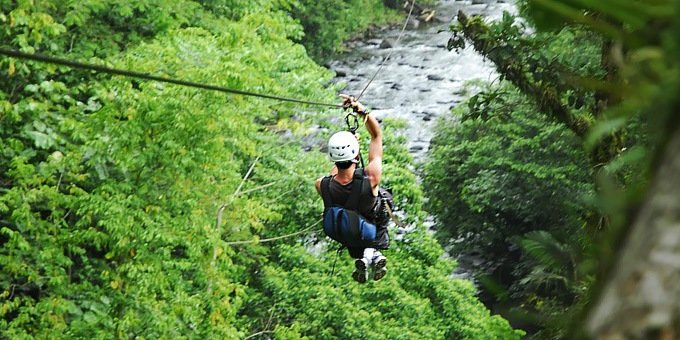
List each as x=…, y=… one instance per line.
x=360, y=274
x=379, y=270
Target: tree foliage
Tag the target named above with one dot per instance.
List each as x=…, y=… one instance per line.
x=346, y=18
x=125, y=205
x=494, y=182
x=600, y=73
x=645, y=52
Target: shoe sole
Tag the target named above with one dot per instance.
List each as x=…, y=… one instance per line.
x=359, y=274
x=380, y=271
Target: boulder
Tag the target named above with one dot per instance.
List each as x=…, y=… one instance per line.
x=386, y=43
x=413, y=23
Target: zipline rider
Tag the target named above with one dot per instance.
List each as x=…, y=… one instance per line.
x=357, y=189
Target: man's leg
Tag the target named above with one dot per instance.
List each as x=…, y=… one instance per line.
x=360, y=273
x=379, y=265
x=369, y=253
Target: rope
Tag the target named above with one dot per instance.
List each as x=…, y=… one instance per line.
x=276, y=238
x=382, y=63
x=394, y=218
x=337, y=254
x=133, y=74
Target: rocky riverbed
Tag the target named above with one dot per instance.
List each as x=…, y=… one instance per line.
x=422, y=80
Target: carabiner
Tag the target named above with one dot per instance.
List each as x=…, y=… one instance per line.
x=352, y=126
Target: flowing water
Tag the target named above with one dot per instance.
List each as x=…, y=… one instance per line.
x=422, y=79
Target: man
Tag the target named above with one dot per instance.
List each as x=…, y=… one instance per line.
x=343, y=149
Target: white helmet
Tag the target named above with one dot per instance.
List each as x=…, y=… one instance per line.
x=343, y=146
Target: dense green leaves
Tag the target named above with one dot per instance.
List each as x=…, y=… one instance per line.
x=494, y=182
x=347, y=17
x=520, y=195
x=133, y=209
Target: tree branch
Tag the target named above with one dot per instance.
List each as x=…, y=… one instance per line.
x=257, y=333
x=544, y=94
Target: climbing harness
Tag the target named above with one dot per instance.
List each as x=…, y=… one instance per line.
x=344, y=222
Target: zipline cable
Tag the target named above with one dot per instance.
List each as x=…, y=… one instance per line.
x=133, y=74
x=382, y=63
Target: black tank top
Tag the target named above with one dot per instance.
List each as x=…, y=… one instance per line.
x=340, y=193
x=368, y=207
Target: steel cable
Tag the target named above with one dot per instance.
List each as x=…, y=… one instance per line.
x=133, y=74
x=382, y=63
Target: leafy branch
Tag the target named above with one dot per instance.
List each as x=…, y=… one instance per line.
x=545, y=94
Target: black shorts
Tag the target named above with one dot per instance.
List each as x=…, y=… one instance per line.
x=382, y=241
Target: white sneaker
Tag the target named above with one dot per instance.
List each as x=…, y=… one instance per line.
x=360, y=274
x=379, y=267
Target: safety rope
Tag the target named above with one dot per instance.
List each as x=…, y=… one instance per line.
x=382, y=63
x=337, y=254
x=277, y=237
x=133, y=74
x=394, y=218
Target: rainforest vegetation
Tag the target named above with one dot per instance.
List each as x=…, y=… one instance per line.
x=133, y=208
x=538, y=176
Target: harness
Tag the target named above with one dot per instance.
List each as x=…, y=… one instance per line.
x=361, y=190
x=344, y=222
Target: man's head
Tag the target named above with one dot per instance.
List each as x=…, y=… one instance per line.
x=343, y=149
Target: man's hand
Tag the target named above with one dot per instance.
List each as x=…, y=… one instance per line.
x=352, y=102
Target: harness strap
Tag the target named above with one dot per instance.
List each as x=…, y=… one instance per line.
x=326, y=192
x=357, y=186
x=354, y=225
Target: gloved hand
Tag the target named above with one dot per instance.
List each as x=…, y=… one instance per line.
x=352, y=102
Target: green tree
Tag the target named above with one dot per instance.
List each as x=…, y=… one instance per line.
x=495, y=180
x=589, y=67
x=141, y=209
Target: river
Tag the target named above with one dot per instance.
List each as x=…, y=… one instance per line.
x=422, y=79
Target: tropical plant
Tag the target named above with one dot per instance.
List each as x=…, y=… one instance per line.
x=132, y=208
x=497, y=174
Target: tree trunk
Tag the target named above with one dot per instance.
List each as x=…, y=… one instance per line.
x=641, y=299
